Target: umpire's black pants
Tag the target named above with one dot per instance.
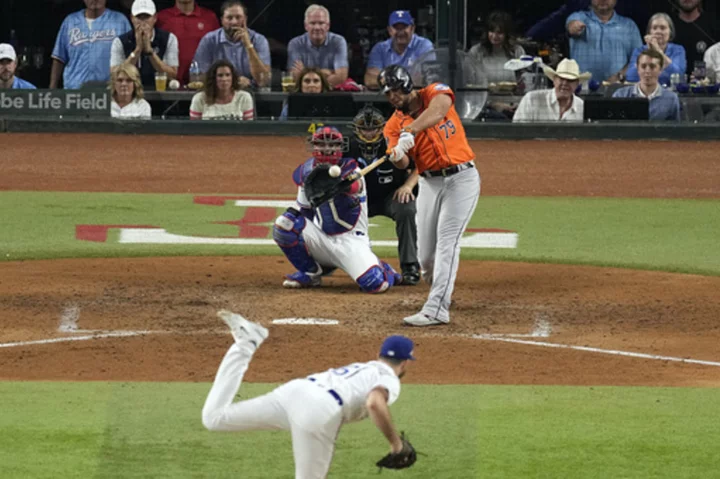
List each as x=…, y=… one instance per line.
x=403, y=214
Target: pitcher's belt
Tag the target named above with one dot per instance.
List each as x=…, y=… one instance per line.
x=450, y=170
x=331, y=392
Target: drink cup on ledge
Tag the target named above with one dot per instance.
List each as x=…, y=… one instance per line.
x=160, y=81
x=287, y=82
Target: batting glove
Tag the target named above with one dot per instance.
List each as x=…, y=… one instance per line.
x=405, y=144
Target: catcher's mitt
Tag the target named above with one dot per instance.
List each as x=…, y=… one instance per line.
x=400, y=460
x=321, y=187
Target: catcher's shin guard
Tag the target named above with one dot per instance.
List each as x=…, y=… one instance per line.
x=378, y=279
x=287, y=233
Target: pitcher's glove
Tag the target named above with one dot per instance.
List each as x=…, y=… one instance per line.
x=321, y=187
x=400, y=460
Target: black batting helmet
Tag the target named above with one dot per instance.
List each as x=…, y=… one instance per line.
x=367, y=128
x=395, y=77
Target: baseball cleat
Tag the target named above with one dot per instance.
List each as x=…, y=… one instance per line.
x=301, y=280
x=421, y=319
x=411, y=275
x=242, y=329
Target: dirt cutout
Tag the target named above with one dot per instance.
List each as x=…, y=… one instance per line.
x=166, y=306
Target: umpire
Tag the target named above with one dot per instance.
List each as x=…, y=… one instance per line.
x=391, y=191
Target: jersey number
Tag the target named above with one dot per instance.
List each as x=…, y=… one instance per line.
x=349, y=371
x=448, y=128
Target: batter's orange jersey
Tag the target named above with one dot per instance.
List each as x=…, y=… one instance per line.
x=437, y=147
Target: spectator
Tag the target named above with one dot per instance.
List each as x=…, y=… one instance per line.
x=148, y=48
x=246, y=49
x=494, y=50
x=189, y=22
x=660, y=31
x=402, y=48
x=664, y=104
x=712, y=60
x=553, y=25
x=310, y=80
x=601, y=41
x=319, y=48
x=82, y=47
x=127, y=94
x=558, y=103
x=695, y=30
x=8, y=64
x=222, y=98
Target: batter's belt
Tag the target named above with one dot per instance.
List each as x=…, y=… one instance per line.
x=449, y=171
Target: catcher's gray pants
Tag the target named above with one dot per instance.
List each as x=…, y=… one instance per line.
x=309, y=412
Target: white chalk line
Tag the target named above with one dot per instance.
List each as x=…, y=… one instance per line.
x=490, y=337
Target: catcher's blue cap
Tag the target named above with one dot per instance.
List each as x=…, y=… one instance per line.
x=397, y=347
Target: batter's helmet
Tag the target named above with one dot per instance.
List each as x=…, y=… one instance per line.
x=395, y=77
x=367, y=129
x=328, y=145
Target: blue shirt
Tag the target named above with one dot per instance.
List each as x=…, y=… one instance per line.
x=664, y=106
x=603, y=49
x=85, y=51
x=215, y=46
x=674, y=51
x=383, y=54
x=331, y=55
x=19, y=83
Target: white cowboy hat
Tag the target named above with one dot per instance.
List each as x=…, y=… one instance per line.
x=567, y=69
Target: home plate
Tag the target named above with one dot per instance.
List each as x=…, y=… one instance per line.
x=313, y=321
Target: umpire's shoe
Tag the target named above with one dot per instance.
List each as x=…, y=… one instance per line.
x=410, y=274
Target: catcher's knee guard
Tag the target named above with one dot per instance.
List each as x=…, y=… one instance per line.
x=287, y=233
x=378, y=279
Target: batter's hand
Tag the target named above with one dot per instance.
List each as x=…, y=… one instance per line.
x=404, y=194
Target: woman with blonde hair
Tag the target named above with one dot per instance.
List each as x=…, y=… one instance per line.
x=127, y=94
x=222, y=98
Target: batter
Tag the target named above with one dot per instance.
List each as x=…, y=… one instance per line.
x=335, y=234
x=426, y=126
x=314, y=408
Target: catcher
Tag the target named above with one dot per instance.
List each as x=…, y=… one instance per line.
x=391, y=191
x=313, y=408
x=328, y=228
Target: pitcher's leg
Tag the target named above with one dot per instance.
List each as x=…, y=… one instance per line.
x=459, y=200
x=220, y=414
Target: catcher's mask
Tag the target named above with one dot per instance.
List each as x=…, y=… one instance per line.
x=367, y=128
x=327, y=145
x=395, y=77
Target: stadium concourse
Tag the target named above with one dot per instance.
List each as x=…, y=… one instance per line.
x=169, y=303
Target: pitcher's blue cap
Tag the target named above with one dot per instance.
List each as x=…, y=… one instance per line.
x=400, y=16
x=397, y=347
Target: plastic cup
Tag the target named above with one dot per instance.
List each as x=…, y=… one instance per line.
x=160, y=81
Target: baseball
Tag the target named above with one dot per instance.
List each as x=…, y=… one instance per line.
x=174, y=84
x=334, y=171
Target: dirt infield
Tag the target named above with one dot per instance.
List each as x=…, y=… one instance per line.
x=167, y=304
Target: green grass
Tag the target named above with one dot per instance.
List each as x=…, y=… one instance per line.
x=669, y=235
x=105, y=430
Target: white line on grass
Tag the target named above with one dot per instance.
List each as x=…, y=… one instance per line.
x=490, y=337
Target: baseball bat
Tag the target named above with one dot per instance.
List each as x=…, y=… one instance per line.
x=366, y=170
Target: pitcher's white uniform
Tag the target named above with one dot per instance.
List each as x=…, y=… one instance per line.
x=312, y=408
